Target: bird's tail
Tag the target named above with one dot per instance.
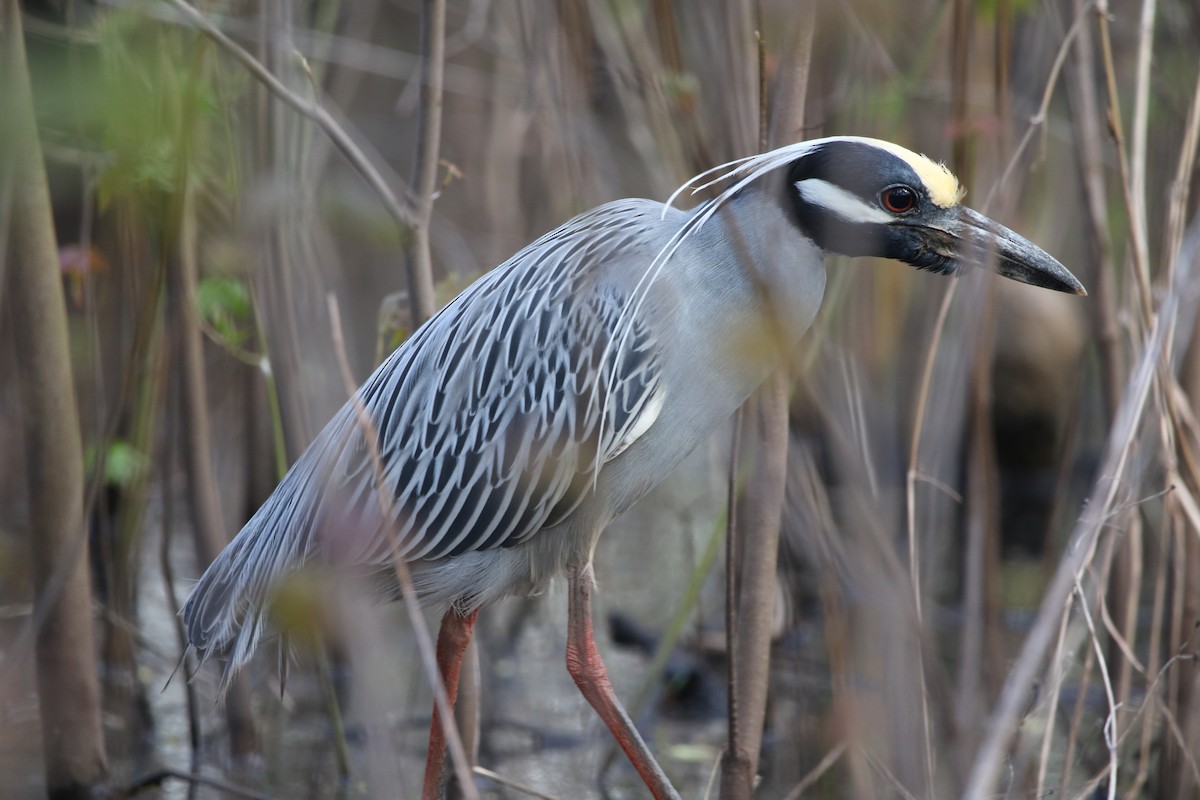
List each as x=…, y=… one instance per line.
x=227, y=611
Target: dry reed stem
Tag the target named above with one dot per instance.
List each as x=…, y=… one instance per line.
x=1091, y=145
x=1079, y=553
x=1171, y=513
x=893, y=782
x=814, y=774
x=914, y=452
x=1180, y=188
x=1141, y=116
x=432, y=77
x=1038, y=121
x=1182, y=743
x=1056, y=684
x=1089, y=664
x=1110, y=723
x=511, y=784
x=914, y=563
x=412, y=606
x=402, y=214
x=1134, y=206
x=193, y=779
x=166, y=529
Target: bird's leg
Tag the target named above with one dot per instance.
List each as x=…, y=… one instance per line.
x=591, y=676
x=453, y=638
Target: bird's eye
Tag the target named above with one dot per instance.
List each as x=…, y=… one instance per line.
x=899, y=199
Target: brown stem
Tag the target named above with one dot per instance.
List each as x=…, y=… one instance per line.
x=312, y=110
x=75, y=762
x=420, y=262
x=408, y=593
x=204, y=497
x=1004, y=717
x=754, y=572
x=1085, y=110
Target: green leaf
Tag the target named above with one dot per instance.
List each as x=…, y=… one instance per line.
x=123, y=465
x=224, y=303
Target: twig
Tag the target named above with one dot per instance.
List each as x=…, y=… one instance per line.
x=458, y=754
x=1038, y=120
x=1120, y=442
x=914, y=564
x=1118, y=638
x=420, y=263
x=1137, y=232
x=155, y=779
x=164, y=558
x=685, y=610
x=816, y=772
x=1052, y=701
x=1181, y=742
x=914, y=452
x=510, y=783
x=1089, y=151
x=882, y=769
x=314, y=111
x=1081, y=692
x=341, y=746
x=1180, y=186
x=1110, y=723
x=731, y=583
x=1141, y=115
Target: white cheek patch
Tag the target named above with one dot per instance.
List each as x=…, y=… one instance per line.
x=837, y=200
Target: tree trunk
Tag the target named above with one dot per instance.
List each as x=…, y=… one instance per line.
x=68, y=689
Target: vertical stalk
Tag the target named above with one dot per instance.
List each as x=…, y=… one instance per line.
x=433, y=51
x=753, y=588
x=1141, y=116
x=204, y=497
x=1085, y=111
x=74, y=755
x=275, y=284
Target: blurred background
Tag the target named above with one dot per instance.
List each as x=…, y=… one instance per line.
x=945, y=435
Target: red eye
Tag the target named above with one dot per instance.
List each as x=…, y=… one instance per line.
x=899, y=199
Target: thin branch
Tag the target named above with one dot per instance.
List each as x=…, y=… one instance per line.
x=1141, y=115
x=1137, y=232
x=1048, y=726
x=814, y=774
x=510, y=783
x=914, y=453
x=1038, y=120
x=156, y=779
x=412, y=605
x=1110, y=722
x=1015, y=694
x=420, y=262
x=1180, y=186
x=402, y=214
x=1089, y=151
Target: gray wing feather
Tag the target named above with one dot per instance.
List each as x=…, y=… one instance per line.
x=491, y=421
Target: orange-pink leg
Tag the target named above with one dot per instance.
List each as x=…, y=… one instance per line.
x=591, y=676
x=453, y=638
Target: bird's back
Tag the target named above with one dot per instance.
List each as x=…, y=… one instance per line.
x=489, y=425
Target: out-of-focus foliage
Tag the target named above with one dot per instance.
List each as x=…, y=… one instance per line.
x=551, y=109
x=124, y=464
x=224, y=303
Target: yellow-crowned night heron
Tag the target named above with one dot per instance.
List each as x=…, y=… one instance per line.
x=558, y=389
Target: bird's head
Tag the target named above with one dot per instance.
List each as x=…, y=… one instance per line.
x=866, y=197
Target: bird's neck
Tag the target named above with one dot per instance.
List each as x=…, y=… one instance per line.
x=775, y=274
